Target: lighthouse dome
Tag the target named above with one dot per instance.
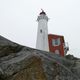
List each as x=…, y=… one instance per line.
x=42, y=12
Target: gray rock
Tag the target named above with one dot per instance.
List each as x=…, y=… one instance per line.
x=23, y=63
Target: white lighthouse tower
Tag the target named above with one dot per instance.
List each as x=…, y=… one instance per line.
x=42, y=34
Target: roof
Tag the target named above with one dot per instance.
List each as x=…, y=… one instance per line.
x=42, y=12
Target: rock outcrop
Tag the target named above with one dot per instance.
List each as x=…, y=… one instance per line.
x=23, y=63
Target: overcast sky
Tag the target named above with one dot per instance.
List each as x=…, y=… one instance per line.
x=18, y=21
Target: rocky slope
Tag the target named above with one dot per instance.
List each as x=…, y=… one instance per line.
x=23, y=63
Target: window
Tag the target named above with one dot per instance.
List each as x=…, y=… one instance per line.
x=56, y=42
x=41, y=31
x=57, y=51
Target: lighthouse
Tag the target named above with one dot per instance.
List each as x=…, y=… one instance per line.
x=42, y=33
x=49, y=42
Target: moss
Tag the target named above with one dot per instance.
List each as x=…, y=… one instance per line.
x=33, y=71
x=6, y=50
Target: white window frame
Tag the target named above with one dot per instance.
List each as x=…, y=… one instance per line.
x=54, y=42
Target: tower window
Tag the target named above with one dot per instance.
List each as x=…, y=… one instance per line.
x=41, y=31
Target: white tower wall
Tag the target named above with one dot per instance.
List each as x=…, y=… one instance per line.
x=42, y=34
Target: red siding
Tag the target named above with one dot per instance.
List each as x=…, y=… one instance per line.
x=53, y=48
